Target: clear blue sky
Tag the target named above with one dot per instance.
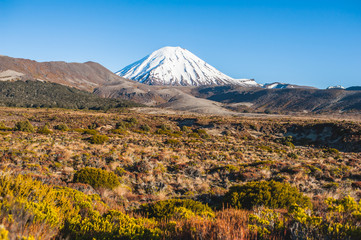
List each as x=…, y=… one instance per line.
x=309, y=42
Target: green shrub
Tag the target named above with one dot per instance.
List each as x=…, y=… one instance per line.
x=94, y=125
x=62, y=127
x=44, y=130
x=173, y=142
x=193, y=135
x=267, y=193
x=96, y=177
x=203, y=133
x=132, y=120
x=98, y=139
x=331, y=151
x=176, y=208
x=115, y=225
x=24, y=126
x=120, y=125
x=186, y=129
x=3, y=127
x=32, y=208
x=90, y=131
x=292, y=155
x=145, y=128
x=165, y=127
x=119, y=131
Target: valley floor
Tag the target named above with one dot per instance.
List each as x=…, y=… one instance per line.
x=138, y=174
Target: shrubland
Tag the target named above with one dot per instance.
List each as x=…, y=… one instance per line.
x=124, y=175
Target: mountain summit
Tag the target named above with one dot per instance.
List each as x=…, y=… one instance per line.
x=178, y=67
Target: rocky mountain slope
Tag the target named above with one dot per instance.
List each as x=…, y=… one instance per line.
x=177, y=67
x=85, y=76
x=283, y=100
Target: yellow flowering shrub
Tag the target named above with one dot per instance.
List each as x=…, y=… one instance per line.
x=265, y=221
x=3, y=233
x=176, y=208
x=44, y=211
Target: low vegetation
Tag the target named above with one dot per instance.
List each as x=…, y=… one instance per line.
x=96, y=178
x=264, y=193
x=38, y=94
x=70, y=174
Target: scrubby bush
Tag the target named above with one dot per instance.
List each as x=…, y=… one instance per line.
x=32, y=210
x=62, y=127
x=176, y=208
x=331, y=151
x=3, y=233
x=115, y=225
x=3, y=127
x=173, y=142
x=44, y=130
x=186, y=129
x=193, y=135
x=24, y=126
x=267, y=193
x=98, y=139
x=94, y=125
x=132, y=120
x=96, y=178
x=203, y=133
x=145, y=128
x=90, y=131
x=120, y=125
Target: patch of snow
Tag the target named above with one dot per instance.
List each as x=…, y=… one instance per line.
x=336, y=87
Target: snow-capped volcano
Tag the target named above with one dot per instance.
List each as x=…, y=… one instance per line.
x=177, y=66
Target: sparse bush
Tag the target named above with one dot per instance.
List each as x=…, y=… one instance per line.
x=176, y=208
x=268, y=193
x=173, y=142
x=98, y=139
x=132, y=120
x=331, y=151
x=145, y=128
x=193, y=135
x=292, y=155
x=44, y=130
x=3, y=127
x=120, y=131
x=120, y=125
x=96, y=178
x=90, y=131
x=186, y=129
x=94, y=125
x=203, y=133
x=24, y=126
x=62, y=127
x=165, y=127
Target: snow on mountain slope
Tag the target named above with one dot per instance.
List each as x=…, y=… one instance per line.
x=278, y=85
x=177, y=66
x=336, y=87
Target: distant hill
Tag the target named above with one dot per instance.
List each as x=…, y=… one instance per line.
x=354, y=88
x=51, y=95
x=85, y=76
x=282, y=100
